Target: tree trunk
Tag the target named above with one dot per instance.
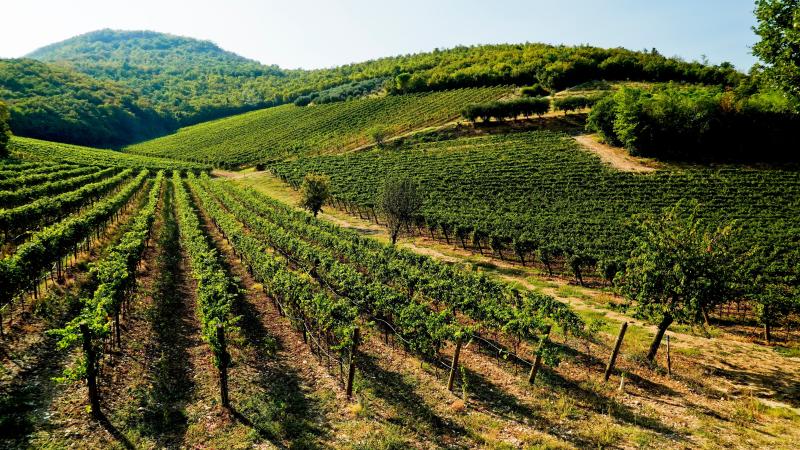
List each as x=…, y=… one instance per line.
x=767, y=332
x=662, y=328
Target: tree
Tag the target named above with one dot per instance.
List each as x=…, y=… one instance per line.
x=315, y=191
x=400, y=200
x=678, y=269
x=772, y=277
x=403, y=81
x=378, y=134
x=5, y=130
x=779, y=47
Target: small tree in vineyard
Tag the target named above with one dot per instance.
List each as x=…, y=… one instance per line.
x=678, y=269
x=400, y=201
x=315, y=191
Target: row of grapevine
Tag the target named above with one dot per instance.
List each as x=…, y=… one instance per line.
x=33, y=149
x=115, y=276
x=24, y=179
x=216, y=292
x=423, y=329
x=47, y=210
x=23, y=270
x=312, y=311
x=288, y=130
x=14, y=170
x=491, y=305
x=14, y=197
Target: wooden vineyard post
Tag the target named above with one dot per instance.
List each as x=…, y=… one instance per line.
x=351, y=368
x=669, y=359
x=454, y=367
x=91, y=372
x=537, y=362
x=614, y=354
x=223, y=366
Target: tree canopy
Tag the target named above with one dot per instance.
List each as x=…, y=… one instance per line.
x=679, y=268
x=779, y=47
x=314, y=192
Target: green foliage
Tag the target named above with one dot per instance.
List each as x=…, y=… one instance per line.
x=287, y=130
x=399, y=201
x=150, y=83
x=115, y=276
x=5, y=130
x=537, y=90
x=314, y=192
x=574, y=103
x=541, y=189
x=771, y=278
x=216, y=292
x=507, y=109
x=382, y=282
x=679, y=266
x=56, y=103
x=779, y=47
x=24, y=268
x=74, y=154
x=678, y=122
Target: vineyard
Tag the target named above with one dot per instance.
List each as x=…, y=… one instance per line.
x=514, y=194
x=110, y=271
x=276, y=133
x=34, y=149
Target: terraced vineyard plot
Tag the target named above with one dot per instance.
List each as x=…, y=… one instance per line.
x=540, y=190
x=34, y=149
x=288, y=130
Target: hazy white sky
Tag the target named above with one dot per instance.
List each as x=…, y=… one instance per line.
x=311, y=34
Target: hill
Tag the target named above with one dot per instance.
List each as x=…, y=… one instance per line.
x=288, y=130
x=60, y=104
x=177, y=81
x=190, y=79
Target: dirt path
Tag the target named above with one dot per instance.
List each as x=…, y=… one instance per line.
x=615, y=156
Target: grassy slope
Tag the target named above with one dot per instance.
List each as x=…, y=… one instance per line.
x=286, y=130
x=29, y=148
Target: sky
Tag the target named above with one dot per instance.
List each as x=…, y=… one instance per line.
x=315, y=34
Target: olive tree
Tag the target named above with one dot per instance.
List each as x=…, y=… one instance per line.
x=678, y=268
x=314, y=192
x=400, y=201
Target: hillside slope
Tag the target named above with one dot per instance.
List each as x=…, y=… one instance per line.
x=60, y=104
x=177, y=81
x=287, y=130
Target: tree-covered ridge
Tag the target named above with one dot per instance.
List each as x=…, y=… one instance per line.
x=155, y=83
x=60, y=104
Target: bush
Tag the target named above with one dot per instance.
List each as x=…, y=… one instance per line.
x=303, y=100
x=534, y=91
x=509, y=109
x=697, y=123
x=574, y=103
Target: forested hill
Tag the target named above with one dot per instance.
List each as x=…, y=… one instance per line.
x=59, y=104
x=159, y=82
